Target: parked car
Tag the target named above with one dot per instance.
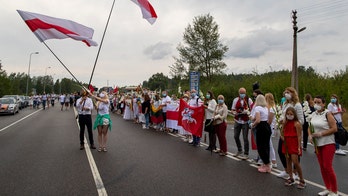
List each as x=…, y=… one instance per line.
x=8, y=106
x=25, y=100
x=18, y=99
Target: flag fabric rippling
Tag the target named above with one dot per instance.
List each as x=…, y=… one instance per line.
x=147, y=10
x=46, y=27
x=191, y=118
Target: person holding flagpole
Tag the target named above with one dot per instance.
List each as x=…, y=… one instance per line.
x=84, y=107
x=103, y=121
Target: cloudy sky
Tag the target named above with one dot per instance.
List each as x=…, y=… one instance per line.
x=257, y=32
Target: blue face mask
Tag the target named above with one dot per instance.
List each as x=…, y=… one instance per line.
x=333, y=100
x=207, y=96
x=220, y=101
x=242, y=95
x=193, y=95
x=164, y=95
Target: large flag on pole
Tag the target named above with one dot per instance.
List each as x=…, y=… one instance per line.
x=191, y=118
x=147, y=10
x=46, y=27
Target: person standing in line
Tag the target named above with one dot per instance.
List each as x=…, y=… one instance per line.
x=263, y=132
x=62, y=101
x=308, y=108
x=164, y=102
x=103, y=121
x=241, y=110
x=271, y=121
x=84, y=107
x=210, y=106
x=292, y=100
x=292, y=135
x=335, y=108
x=324, y=126
x=146, y=107
x=220, y=124
x=195, y=101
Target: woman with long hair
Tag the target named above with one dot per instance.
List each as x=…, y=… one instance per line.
x=102, y=121
x=292, y=100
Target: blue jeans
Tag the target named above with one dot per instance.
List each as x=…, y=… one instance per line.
x=147, y=119
x=244, y=128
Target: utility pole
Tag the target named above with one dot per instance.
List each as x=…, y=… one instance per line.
x=294, y=73
x=0, y=65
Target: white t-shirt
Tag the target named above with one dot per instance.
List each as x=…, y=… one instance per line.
x=334, y=109
x=263, y=112
x=103, y=108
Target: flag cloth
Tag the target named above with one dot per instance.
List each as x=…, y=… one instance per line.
x=156, y=114
x=91, y=88
x=46, y=27
x=191, y=118
x=147, y=10
x=115, y=90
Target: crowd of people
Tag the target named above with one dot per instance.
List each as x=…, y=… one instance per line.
x=293, y=121
x=295, y=124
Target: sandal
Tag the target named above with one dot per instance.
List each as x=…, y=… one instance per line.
x=289, y=182
x=301, y=185
x=104, y=149
x=99, y=149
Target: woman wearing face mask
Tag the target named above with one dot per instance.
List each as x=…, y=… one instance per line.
x=102, y=121
x=292, y=133
x=292, y=100
x=324, y=126
x=220, y=125
x=210, y=105
x=335, y=108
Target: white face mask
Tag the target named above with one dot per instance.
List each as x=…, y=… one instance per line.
x=290, y=117
x=287, y=96
x=317, y=107
x=101, y=95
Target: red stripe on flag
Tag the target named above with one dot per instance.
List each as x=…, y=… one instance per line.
x=35, y=24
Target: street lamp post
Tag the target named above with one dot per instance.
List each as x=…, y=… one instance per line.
x=28, y=76
x=294, y=73
x=45, y=79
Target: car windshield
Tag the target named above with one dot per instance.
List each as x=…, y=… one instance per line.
x=6, y=101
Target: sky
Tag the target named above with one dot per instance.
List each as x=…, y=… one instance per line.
x=258, y=33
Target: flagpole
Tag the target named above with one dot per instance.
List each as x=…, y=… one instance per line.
x=63, y=64
x=101, y=43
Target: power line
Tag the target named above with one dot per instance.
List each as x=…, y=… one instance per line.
x=323, y=11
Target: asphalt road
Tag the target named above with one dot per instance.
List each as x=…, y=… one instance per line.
x=39, y=155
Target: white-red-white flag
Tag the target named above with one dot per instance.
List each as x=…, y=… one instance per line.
x=147, y=10
x=46, y=27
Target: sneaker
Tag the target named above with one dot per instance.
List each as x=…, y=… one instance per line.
x=238, y=153
x=222, y=153
x=244, y=156
x=259, y=162
x=92, y=146
x=216, y=150
x=324, y=192
x=301, y=185
x=283, y=174
x=332, y=194
x=340, y=152
x=295, y=176
x=274, y=165
x=289, y=182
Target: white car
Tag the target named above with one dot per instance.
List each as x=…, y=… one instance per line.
x=8, y=105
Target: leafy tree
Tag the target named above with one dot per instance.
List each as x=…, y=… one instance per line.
x=157, y=81
x=201, y=50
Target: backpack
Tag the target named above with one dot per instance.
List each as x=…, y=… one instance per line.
x=341, y=136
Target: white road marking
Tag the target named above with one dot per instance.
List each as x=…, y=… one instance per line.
x=97, y=178
x=19, y=120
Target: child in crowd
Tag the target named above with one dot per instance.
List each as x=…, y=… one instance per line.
x=291, y=137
